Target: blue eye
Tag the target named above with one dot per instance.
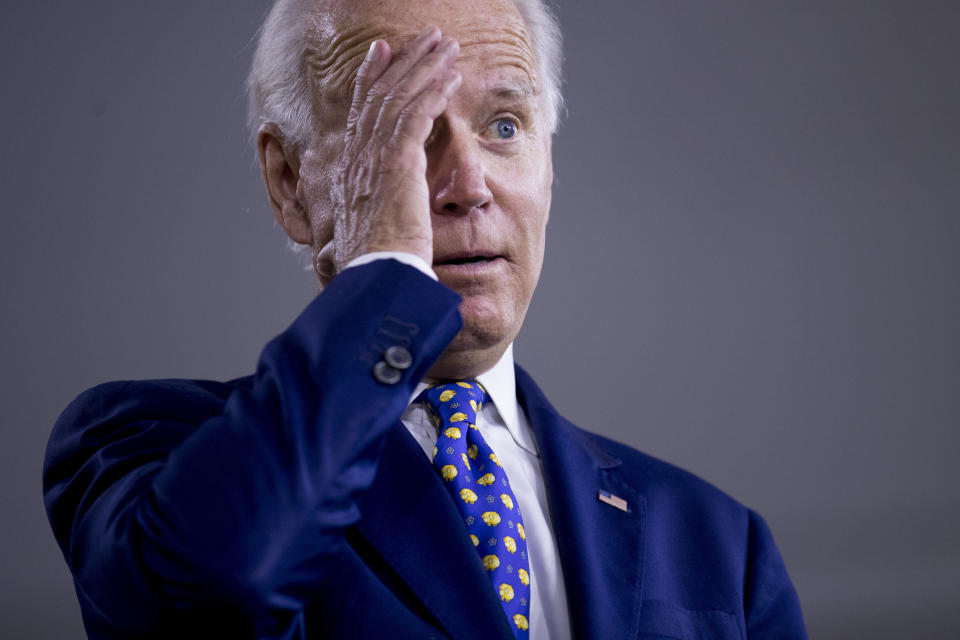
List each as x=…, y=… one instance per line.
x=506, y=128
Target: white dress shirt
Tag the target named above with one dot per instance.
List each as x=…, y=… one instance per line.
x=505, y=428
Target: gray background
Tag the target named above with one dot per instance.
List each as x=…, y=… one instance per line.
x=751, y=270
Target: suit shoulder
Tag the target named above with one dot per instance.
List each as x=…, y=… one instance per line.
x=170, y=398
x=116, y=410
x=666, y=487
x=113, y=427
x=660, y=478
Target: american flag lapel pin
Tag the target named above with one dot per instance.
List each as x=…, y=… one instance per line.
x=612, y=500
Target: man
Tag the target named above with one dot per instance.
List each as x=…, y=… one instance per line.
x=408, y=146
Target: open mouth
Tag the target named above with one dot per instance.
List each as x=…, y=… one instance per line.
x=467, y=260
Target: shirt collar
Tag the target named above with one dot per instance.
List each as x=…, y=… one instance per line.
x=501, y=386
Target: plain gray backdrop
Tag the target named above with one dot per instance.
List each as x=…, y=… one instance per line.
x=752, y=263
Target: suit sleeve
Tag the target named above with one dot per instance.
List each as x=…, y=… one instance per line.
x=177, y=510
x=771, y=604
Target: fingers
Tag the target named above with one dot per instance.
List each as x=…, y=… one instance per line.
x=415, y=121
x=406, y=58
x=380, y=195
x=388, y=85
x=376, y=60
x=428, y=80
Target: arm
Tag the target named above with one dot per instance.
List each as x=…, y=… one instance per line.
x=771, y=605
x=187, y=512
x=173, y=510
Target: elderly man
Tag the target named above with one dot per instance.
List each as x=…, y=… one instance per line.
x=407, y=144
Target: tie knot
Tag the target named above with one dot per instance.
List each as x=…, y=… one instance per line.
x=452, y=402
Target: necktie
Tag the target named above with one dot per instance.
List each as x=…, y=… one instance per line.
x=479, y=487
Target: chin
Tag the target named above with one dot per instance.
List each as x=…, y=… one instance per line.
x=486, y=333
x=486, y=324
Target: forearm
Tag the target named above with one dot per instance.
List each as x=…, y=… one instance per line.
x=239, y=510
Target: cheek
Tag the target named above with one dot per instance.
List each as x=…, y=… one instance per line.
x=530, y=205
x=537, y=206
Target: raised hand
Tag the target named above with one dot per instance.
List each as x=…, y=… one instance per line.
x=380, y=197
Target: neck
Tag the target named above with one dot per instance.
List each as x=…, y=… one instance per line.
x=458, y=365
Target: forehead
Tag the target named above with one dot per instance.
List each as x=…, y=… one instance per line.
x=491, y=33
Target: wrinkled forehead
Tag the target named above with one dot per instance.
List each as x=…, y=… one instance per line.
x=491, y=32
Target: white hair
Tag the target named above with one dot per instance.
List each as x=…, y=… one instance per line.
x=279, y=87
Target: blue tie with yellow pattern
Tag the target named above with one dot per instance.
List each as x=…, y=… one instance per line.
x=478, y=485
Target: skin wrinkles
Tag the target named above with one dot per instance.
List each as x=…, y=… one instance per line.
x=336, y=64
x=485, y=193
x=518, y=52
x=512, y=51
x=334, y=60
x=509, y=98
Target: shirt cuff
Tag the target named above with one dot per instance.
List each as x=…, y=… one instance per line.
x=414, y=261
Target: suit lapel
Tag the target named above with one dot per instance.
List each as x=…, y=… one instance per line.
x=408, y=516
x=601, y=547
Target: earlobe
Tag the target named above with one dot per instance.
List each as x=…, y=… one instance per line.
x=280, y=167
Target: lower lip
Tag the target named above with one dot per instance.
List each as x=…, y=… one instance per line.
x=469, y=269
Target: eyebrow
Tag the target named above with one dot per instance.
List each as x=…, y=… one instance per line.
x=513, y=91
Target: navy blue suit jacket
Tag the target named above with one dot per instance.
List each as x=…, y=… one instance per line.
x=294, y=504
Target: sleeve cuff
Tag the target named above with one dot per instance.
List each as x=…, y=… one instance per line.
x=414, y=261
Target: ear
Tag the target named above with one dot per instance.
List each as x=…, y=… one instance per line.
x=280, y=166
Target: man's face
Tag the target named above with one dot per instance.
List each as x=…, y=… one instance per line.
x=489, y=169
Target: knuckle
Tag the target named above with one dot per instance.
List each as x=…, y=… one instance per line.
x=352, y=119
x=391, y=97
x=362, y=74
x=374, y=94
x=397, y=96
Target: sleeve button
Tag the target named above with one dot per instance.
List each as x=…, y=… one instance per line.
x=386, y=374
x=398, y=357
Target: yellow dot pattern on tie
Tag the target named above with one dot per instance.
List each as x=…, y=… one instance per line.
x=492, y=518
x=491, y=562
x=452, y=432
x=478, y=484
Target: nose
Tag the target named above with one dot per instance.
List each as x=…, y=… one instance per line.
x=455, y=173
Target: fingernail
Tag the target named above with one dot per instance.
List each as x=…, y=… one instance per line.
x=372, y=51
